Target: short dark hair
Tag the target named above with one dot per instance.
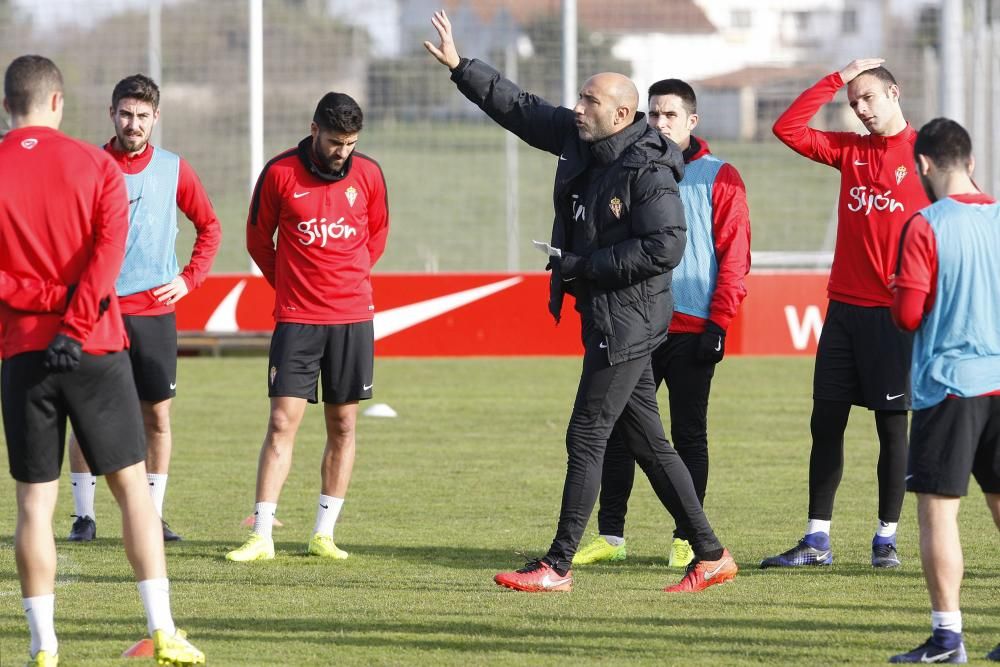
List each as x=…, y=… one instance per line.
x=880, y=73
x=28, y=80
x=136, y=87
x=681, y=89
x=338, y=112
x=945, y=142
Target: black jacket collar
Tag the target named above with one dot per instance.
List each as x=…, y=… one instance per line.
x=609, y=149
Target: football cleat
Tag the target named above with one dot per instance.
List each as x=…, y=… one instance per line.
x=935, y=650
x=84, y=529
x=257, y=547
x=994, y=654
x=175, y=649
x=43, y=659
x=598, y=551
x=704, y=573
x=323, y=546
x=681, y=554
x=536, y=577
x=169, y=535
x=884, y=555
x=802, y=554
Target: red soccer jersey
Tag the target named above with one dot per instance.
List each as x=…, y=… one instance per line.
x=64, y=220
x=330, y=233
x=193, y=201
x=879, y=191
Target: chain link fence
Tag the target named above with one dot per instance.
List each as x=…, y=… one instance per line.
x=463, y=197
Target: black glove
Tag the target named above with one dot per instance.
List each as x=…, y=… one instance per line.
x=572, y=266
x=711, y=343
x=63, y=354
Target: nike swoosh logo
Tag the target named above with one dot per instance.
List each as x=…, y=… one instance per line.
x=859, y=163
x=326, y=507
x=603, y=345
x=718, y=346
x=395, y=320
x=298, y=195
x=173, y=385
x=712, y=573
x=893, y=397
x=908, y=478
x=561, y=157
x=549, y=582
x=367, y=387
x=940, y=657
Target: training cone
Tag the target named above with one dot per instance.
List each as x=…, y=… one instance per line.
x=380, y=410
x=274, y=521
x=141, y=649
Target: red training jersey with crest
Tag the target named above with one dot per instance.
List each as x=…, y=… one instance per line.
x=331, y=230
x=879, y=191
x=63, y=220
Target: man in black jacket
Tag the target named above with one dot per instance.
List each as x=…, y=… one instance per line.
x=618, y=231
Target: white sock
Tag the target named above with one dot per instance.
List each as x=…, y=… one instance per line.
x=886, y=529
x=946, y=620
x=614, y=540
x=263, y=518
x=40, y=611
x=157, y=489
x=326, y=514
x=155, y=595
x=84, y=486
x=817, y=526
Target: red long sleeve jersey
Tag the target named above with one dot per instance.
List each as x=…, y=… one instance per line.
x=330, y=233
x=63, y=219
x=193, y=201
x=879, y=191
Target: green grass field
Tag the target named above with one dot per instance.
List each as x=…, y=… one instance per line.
x=466, y=482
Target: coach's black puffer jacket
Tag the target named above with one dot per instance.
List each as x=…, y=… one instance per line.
x=627, y=218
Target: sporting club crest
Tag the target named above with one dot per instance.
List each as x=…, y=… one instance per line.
x=900, y=174
x=616, y=207
x=351, y=195
x=29, y=143
x=274, y=372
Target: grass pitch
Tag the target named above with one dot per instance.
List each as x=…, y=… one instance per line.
x=466, y=482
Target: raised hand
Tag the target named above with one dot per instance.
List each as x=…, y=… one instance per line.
x=858, y=66
x=446, y=53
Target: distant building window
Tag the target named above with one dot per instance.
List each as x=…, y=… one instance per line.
x=801, y=20
x=741, y=18
x=849, y=21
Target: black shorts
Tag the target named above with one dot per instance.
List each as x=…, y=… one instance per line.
x=863, y=358
x=343, y=353
x=100, y=400
x=956, y=438
x=153, y=351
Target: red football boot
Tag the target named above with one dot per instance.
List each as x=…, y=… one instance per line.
x=704, y=573
x=536, y=577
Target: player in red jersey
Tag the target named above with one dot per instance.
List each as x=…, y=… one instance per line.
x=150, y=283
x=64, y=220
x=862, y=359
x=327, y=204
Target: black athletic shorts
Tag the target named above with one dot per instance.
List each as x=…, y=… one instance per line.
x=952, y=440
x=100, y=400
x=153, y=351
x=344, y=354
x=863, y=358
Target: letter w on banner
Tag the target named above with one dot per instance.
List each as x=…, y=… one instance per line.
x=801, y=329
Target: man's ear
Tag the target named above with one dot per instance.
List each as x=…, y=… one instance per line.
x=692, y=121
x=924, y=164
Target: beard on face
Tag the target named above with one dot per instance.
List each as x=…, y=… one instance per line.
x=926, y=182
x=329, y=163
x=131, y=144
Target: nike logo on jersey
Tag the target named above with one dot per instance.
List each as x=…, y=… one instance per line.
x=893, y=397
x=173, y=385
x=299, y=195
x=718, y=346
x=366, y=387
x=859, y=163
x=603, y=345
x=549, y=582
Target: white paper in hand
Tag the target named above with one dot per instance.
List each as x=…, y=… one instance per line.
x=547, y=249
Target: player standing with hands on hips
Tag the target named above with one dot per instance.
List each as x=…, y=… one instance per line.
x=947, y=292
x=64, y=221
x=328, y=205
x=863, y=358
x=619, y=227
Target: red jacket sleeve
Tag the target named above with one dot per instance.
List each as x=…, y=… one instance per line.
x=731, y=230
x=110, y=229
x=792, y=127
x=32, y=295
x=378, y=219
x=194, y=202
x=916, y=274
x=265, y=209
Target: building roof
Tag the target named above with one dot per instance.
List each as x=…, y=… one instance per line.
x=623, y=16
